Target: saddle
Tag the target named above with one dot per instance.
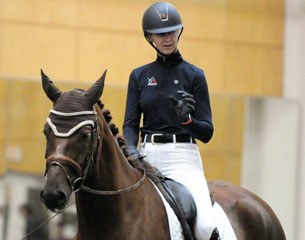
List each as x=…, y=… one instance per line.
x=176, y=194
x=181, y=201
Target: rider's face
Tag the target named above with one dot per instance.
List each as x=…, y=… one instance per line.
x=166, y=43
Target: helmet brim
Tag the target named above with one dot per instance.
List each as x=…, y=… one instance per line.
x=165, y=30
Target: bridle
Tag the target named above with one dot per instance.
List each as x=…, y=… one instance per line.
x=63, y=161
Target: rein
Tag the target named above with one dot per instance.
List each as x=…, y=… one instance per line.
x=45, y=222
x=61, y=161
x=117, y=192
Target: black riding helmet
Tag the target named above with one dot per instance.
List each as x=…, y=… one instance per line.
x=161, y=17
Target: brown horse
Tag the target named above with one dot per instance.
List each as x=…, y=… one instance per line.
x=115, y=200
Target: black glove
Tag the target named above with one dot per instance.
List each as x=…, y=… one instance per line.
x=184, y=106
x=134, y=153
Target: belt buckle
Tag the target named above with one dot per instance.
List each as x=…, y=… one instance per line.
x=153, y=137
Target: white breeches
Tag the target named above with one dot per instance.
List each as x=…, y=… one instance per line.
x=182, y=162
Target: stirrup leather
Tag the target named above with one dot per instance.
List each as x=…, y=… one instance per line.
x=215, y=235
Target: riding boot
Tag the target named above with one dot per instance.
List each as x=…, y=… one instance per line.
x=215, y=235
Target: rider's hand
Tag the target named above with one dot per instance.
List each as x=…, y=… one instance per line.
x=184, y=107
x=134, y=152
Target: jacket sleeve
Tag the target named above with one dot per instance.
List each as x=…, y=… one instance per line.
x=132, y=117
x=201, y=127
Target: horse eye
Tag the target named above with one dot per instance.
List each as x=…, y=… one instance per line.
x=86, y=135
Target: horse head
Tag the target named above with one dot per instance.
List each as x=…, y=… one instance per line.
x=71, y=140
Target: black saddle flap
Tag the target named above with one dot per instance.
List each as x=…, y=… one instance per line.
x=183, y=199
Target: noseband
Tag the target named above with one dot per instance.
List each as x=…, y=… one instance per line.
x=64, y=161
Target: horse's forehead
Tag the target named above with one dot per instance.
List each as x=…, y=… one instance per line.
x=72, y=101
x=70, y=112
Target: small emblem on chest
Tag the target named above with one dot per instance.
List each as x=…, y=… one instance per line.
x=152, y=81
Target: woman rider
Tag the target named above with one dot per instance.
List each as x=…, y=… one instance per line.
x=172, y=96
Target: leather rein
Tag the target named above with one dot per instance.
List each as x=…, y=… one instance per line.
x=78, y=184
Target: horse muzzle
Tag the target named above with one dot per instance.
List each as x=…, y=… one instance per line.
x=63, y=176
x=54, y=200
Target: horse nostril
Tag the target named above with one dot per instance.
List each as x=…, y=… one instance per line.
x=53, y=199
x=41, y=195
x=61, y=196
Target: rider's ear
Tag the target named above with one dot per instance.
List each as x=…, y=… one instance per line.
x=49, y=88
x=94, y=93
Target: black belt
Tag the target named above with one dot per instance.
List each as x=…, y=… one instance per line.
x=167, y=138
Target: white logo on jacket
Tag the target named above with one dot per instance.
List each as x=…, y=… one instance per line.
x=152, y=81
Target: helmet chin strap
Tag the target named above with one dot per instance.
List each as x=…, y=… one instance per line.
x=160, y=53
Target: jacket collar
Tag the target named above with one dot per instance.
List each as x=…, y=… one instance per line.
x=170, y=60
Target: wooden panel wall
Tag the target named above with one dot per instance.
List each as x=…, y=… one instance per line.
x=238, y=43
x=3, y=122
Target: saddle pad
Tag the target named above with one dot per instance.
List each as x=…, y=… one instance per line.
x=223, y=224
x=173, y=222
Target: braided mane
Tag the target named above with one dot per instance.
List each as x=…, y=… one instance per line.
x=114, y=129
x=152, y=172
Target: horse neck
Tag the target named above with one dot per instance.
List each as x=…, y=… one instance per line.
x=112, y=170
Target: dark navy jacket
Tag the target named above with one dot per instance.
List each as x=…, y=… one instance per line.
x=148, y=90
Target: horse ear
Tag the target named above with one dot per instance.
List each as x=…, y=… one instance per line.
x=49, y=88
x=94, y=93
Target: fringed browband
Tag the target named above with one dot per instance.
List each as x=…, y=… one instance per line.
x=64, y=124
x=72, y=114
